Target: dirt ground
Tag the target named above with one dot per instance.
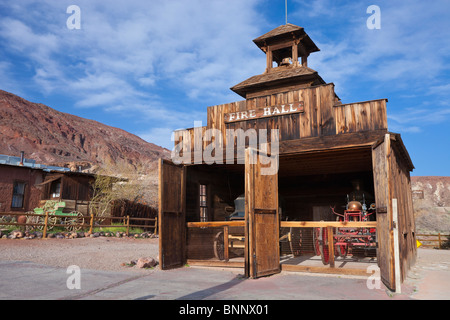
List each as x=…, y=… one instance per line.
x=429, y=278
x=100, y=253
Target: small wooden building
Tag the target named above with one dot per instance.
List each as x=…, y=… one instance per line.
x=73, y=188
x=18, y=190
x=324, y=147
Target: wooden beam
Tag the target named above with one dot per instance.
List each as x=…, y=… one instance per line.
x=324, y=224
x=348, y=271
x=344, y=140
x=215, y=224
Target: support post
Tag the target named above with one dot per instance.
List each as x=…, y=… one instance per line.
x=330, y=246
x=226, y=255
x=44, y=233
x=91, y=223
x=397, y=272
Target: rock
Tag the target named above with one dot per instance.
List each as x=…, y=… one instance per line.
x=16, y=234
x=87, y=234
x=59, y=236
x=73, y=235
x=80, y=235
x=146, y=263
x=118, y=234
x=38, y=234
x=50, y=235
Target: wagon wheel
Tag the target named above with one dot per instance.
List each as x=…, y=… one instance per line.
x=341, y=249
x=31, y=219
x=219, y=246
x=74, y=223
x=324, y=251
x=321, y=244
x=52, y=220
x=296, y=241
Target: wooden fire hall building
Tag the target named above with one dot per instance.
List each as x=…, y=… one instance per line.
x=298, y=218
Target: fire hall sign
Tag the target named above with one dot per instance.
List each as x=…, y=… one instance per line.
x=273, y=111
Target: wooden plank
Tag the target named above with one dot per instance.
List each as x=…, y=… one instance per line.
x=324, y=224
x=381, y=178
x=215, y=263
x=343, y=271
x=171, y=217
x=215, y=224
x=262, y=232
x=397, y=269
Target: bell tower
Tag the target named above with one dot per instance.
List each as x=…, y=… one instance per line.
x=285, y=45
x=287, y=49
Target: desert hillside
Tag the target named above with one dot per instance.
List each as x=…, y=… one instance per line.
x=431, y=198
x=56, y=138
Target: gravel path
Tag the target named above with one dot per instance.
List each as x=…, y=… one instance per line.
x=89, y=253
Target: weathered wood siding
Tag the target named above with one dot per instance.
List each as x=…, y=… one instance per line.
x=400, y=188
x=322, y=116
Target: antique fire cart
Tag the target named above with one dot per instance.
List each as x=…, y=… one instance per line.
x=347, y=240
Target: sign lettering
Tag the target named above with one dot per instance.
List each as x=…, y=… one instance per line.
x=273, y=111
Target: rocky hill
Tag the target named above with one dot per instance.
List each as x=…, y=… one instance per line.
x=56, y=138
x=431, y=198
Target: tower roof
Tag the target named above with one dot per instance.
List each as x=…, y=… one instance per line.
x=285, y=32
x=283, y=46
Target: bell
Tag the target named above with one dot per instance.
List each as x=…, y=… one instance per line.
x=354, y=206
x=286, y=61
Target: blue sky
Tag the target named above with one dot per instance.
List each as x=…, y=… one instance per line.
x=150, y=67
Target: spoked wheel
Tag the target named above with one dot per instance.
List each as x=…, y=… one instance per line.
x=323, y=246
x=31, y=219
x=296, y=241
x=52, y=220
x=74, y=223
x=341, y=249
x=219, y=246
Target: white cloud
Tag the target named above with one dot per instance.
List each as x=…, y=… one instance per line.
x=128, y=52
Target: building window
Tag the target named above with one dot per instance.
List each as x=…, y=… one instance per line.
x=18, y=194
x=203, y=204
x=55, y=189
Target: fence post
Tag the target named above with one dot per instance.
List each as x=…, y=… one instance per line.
x=156, y=225
x=439, y=237
x=44, y=232
x=330, y=246
x=128, y=226
x=91, y=223
x=225, y=243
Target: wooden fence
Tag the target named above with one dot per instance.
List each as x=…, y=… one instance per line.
x=433, y=240
x=47, y=222
x=298, y=246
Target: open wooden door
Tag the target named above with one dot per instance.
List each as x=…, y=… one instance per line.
x=262, y=255
x=171, y=219
x=381, y=176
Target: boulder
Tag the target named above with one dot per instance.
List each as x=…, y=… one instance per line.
x=16, y=234
x=146, y=262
